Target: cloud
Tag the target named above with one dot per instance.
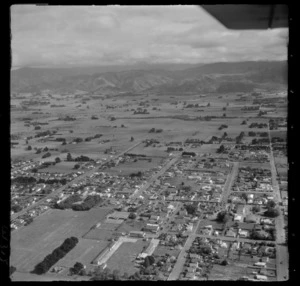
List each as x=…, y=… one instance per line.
x=85, y=35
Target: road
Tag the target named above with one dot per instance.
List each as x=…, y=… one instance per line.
x=174, y=275
x=79, y=178
x=154, y=177
x=228, y=184
x=282, y=264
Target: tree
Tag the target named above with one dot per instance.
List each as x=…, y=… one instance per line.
x=245, y=197
x=57, y=160
x=29, y=148
x=271, y=204
x=69, y=157
x=272, y=212
x=132, y=215
x=223, y=216
x=77, y=268
x=256, y=209
x=221, y=149
x=131, y=139
x=151, y=259
x=191, y=209
x=224, y=114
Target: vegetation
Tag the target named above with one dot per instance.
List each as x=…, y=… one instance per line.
x=57, y=254
x=223, y=216
x=88, y=203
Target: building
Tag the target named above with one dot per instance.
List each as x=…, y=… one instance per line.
x=238, y=217
x=261, y=277
x=240, y=210
x=134, y=233
x=151, y=227
x=119, y=215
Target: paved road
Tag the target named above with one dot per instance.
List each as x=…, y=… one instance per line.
x=282, y=264
x=229, y=183
x=154, y=177
x=238, y=239
x=79, y=178
x=174, y=275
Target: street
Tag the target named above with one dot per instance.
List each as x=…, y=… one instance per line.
x=282, y=264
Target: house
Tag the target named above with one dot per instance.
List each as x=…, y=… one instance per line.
x=191, y=269
x=154, y=217
x=230, y=233
x=151, y=227
x=190, y=275
x=238, y=217
x=251, y=219
x=260, y=264
x=240, y=210
x=243, y=233
x=267, y=221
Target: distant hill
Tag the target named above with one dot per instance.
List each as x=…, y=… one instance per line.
x=220, y=77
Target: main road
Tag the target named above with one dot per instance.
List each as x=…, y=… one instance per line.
x=282, y=265
x=228, y=184
x=154, y=177
x=79, y=178
x=177, y=269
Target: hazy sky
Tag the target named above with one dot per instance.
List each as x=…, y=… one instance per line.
x=102, y=35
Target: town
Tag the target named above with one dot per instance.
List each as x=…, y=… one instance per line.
x=152, y=208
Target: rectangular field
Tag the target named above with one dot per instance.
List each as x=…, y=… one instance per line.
x=123, y=258
x=32, y=243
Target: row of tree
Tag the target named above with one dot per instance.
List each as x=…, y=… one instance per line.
x=57, y=254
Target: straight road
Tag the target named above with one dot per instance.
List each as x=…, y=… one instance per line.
x=282, y=265
x=229, y=183
x=174, y=275
x=154, y=177
x=79, y=178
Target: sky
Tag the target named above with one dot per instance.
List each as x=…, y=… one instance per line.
x=56, y=36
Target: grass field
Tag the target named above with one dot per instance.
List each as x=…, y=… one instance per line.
x=85, y=252
x=123, y=258
x=133, y=167
x=31, y=244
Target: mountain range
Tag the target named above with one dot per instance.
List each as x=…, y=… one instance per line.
x=172, y=78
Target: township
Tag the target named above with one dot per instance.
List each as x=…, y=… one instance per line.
x=159, y=188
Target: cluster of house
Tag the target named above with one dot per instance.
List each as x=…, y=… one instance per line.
x=260, y=156
x=250, y=198
x=253, y=180
x=28, y=216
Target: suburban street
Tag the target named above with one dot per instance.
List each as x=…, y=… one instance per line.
x=228, y=184
x=81, y=177
x=153, y=178
x=281, y=250
x=174, y=275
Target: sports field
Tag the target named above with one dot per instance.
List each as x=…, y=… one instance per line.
x=31, y=244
